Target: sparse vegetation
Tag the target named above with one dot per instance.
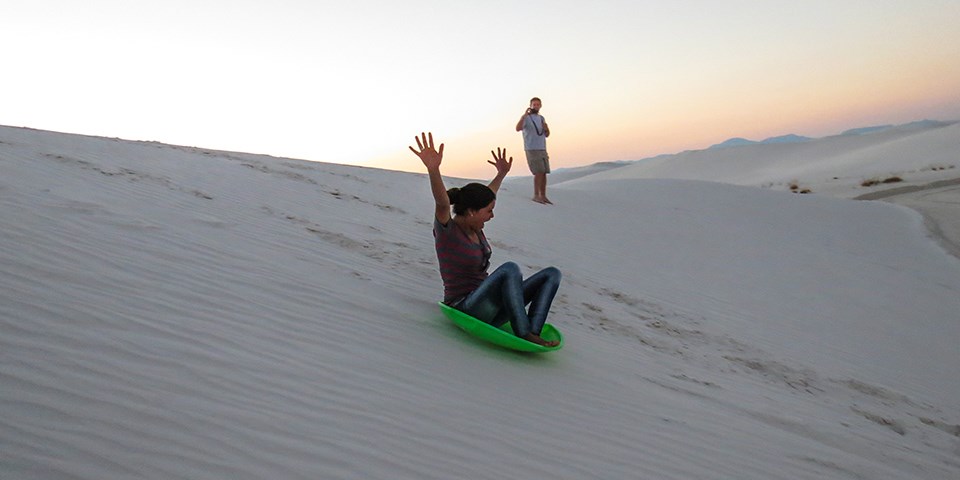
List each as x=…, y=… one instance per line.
x=795, y=188
x=872, y=182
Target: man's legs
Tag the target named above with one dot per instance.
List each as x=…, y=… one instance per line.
x=540, y=188
x=539, y=163
x=536, y=187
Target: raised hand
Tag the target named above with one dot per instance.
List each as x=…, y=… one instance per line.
x=500, y=161
x=430, y=156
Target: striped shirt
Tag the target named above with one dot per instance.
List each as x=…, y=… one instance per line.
x=463, y=263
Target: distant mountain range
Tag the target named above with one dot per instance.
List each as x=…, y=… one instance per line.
x=739, y=142
x=563, y=174
x=791, y=138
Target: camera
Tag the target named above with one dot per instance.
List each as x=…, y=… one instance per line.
x=532, y=111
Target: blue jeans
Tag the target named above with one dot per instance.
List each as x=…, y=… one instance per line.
x=504, y=295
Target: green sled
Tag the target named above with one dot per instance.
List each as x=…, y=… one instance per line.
x=502, y=336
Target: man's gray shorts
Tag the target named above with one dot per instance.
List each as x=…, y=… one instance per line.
x=538, y=161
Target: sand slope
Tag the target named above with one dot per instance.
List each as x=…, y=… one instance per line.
x=171, y=312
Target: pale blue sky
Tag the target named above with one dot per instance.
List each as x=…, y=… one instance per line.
x=352, y=82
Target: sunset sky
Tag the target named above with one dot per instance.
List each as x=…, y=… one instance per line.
x=353, y=82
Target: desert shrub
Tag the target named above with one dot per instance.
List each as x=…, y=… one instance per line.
x=869, y=182
x=893, y=180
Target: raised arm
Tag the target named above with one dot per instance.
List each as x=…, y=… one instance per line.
x=503, y=167
x=431, y=159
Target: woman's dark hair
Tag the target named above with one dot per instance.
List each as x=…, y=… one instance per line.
x=470, y=196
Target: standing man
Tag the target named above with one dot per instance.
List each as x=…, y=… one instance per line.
x=535, y=133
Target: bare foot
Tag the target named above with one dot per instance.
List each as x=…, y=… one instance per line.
x=547, y=201
x=532, y=337
x=540, y=200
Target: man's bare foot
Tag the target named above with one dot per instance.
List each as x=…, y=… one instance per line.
x=532, y=337
x=540, y=200
x=547, y=201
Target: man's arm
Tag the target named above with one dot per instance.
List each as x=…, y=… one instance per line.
x=546, y=129
x=523, y=118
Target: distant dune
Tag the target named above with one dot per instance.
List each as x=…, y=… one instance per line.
x=917, y=153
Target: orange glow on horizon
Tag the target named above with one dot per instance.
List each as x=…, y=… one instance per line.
x=619, y=80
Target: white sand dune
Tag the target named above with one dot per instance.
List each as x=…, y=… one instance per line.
x=171, y=312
